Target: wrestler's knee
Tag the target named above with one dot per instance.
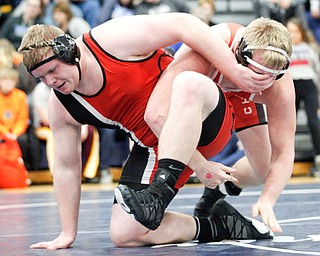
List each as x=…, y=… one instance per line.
x=124, y=230
x=123, y=234
x=119, y=237
x=192, y=88
x=188, y=82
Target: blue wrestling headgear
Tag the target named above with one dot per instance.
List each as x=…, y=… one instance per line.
x=244, y=57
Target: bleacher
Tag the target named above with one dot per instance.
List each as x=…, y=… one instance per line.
x=239, y=11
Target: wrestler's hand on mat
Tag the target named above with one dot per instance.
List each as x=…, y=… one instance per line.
x=61, y=242
x=265, y=210
x=249, y=81
x=215, y=174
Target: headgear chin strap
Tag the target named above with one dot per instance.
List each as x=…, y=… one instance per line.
x=65, y=49
x=244, y=56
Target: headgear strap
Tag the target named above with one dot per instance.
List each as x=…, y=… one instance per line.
x=244, y=57
x=64, y=48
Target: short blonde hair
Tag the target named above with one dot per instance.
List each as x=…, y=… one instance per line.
x=9, y=73
x=263, y=32
x=36, y=43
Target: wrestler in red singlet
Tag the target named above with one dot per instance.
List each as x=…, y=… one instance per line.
x=122, y=100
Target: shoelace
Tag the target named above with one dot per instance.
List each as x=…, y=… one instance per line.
x=237, y=229
x=150, y=204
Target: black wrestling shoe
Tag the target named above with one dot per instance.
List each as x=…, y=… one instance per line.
x=232, y=189
x=235, y=226
x=204, y=206
x=148, y=205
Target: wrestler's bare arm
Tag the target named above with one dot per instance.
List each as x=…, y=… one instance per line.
x=66, y=173
x=135, y=37
x=280, y=102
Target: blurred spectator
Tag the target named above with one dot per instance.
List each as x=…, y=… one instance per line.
x=204, y=10
x=313, y=17
x=14, y=111
x=6, y=8
x=13, y=173
x=281, y=10
x=161, y=6
x=90, y=10
x=27, y=84
x=15, y=26
x=9, y=57
x=89, y=135
x=26, y=81
x=64, y=19
x=305, y=68
x=116, y=8
x=48, y=19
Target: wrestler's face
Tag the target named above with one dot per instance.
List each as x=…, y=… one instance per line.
x=58, y=75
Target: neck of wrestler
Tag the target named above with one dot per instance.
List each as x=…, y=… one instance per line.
x=91, y=74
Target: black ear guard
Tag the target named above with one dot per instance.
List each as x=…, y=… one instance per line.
x=244, y=52
x=65, y=49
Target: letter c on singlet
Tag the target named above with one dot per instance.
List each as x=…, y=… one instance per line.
x=247, y=111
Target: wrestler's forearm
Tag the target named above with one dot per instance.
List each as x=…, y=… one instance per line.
x=197, y=161
x=278, y=177
x=67, y=190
